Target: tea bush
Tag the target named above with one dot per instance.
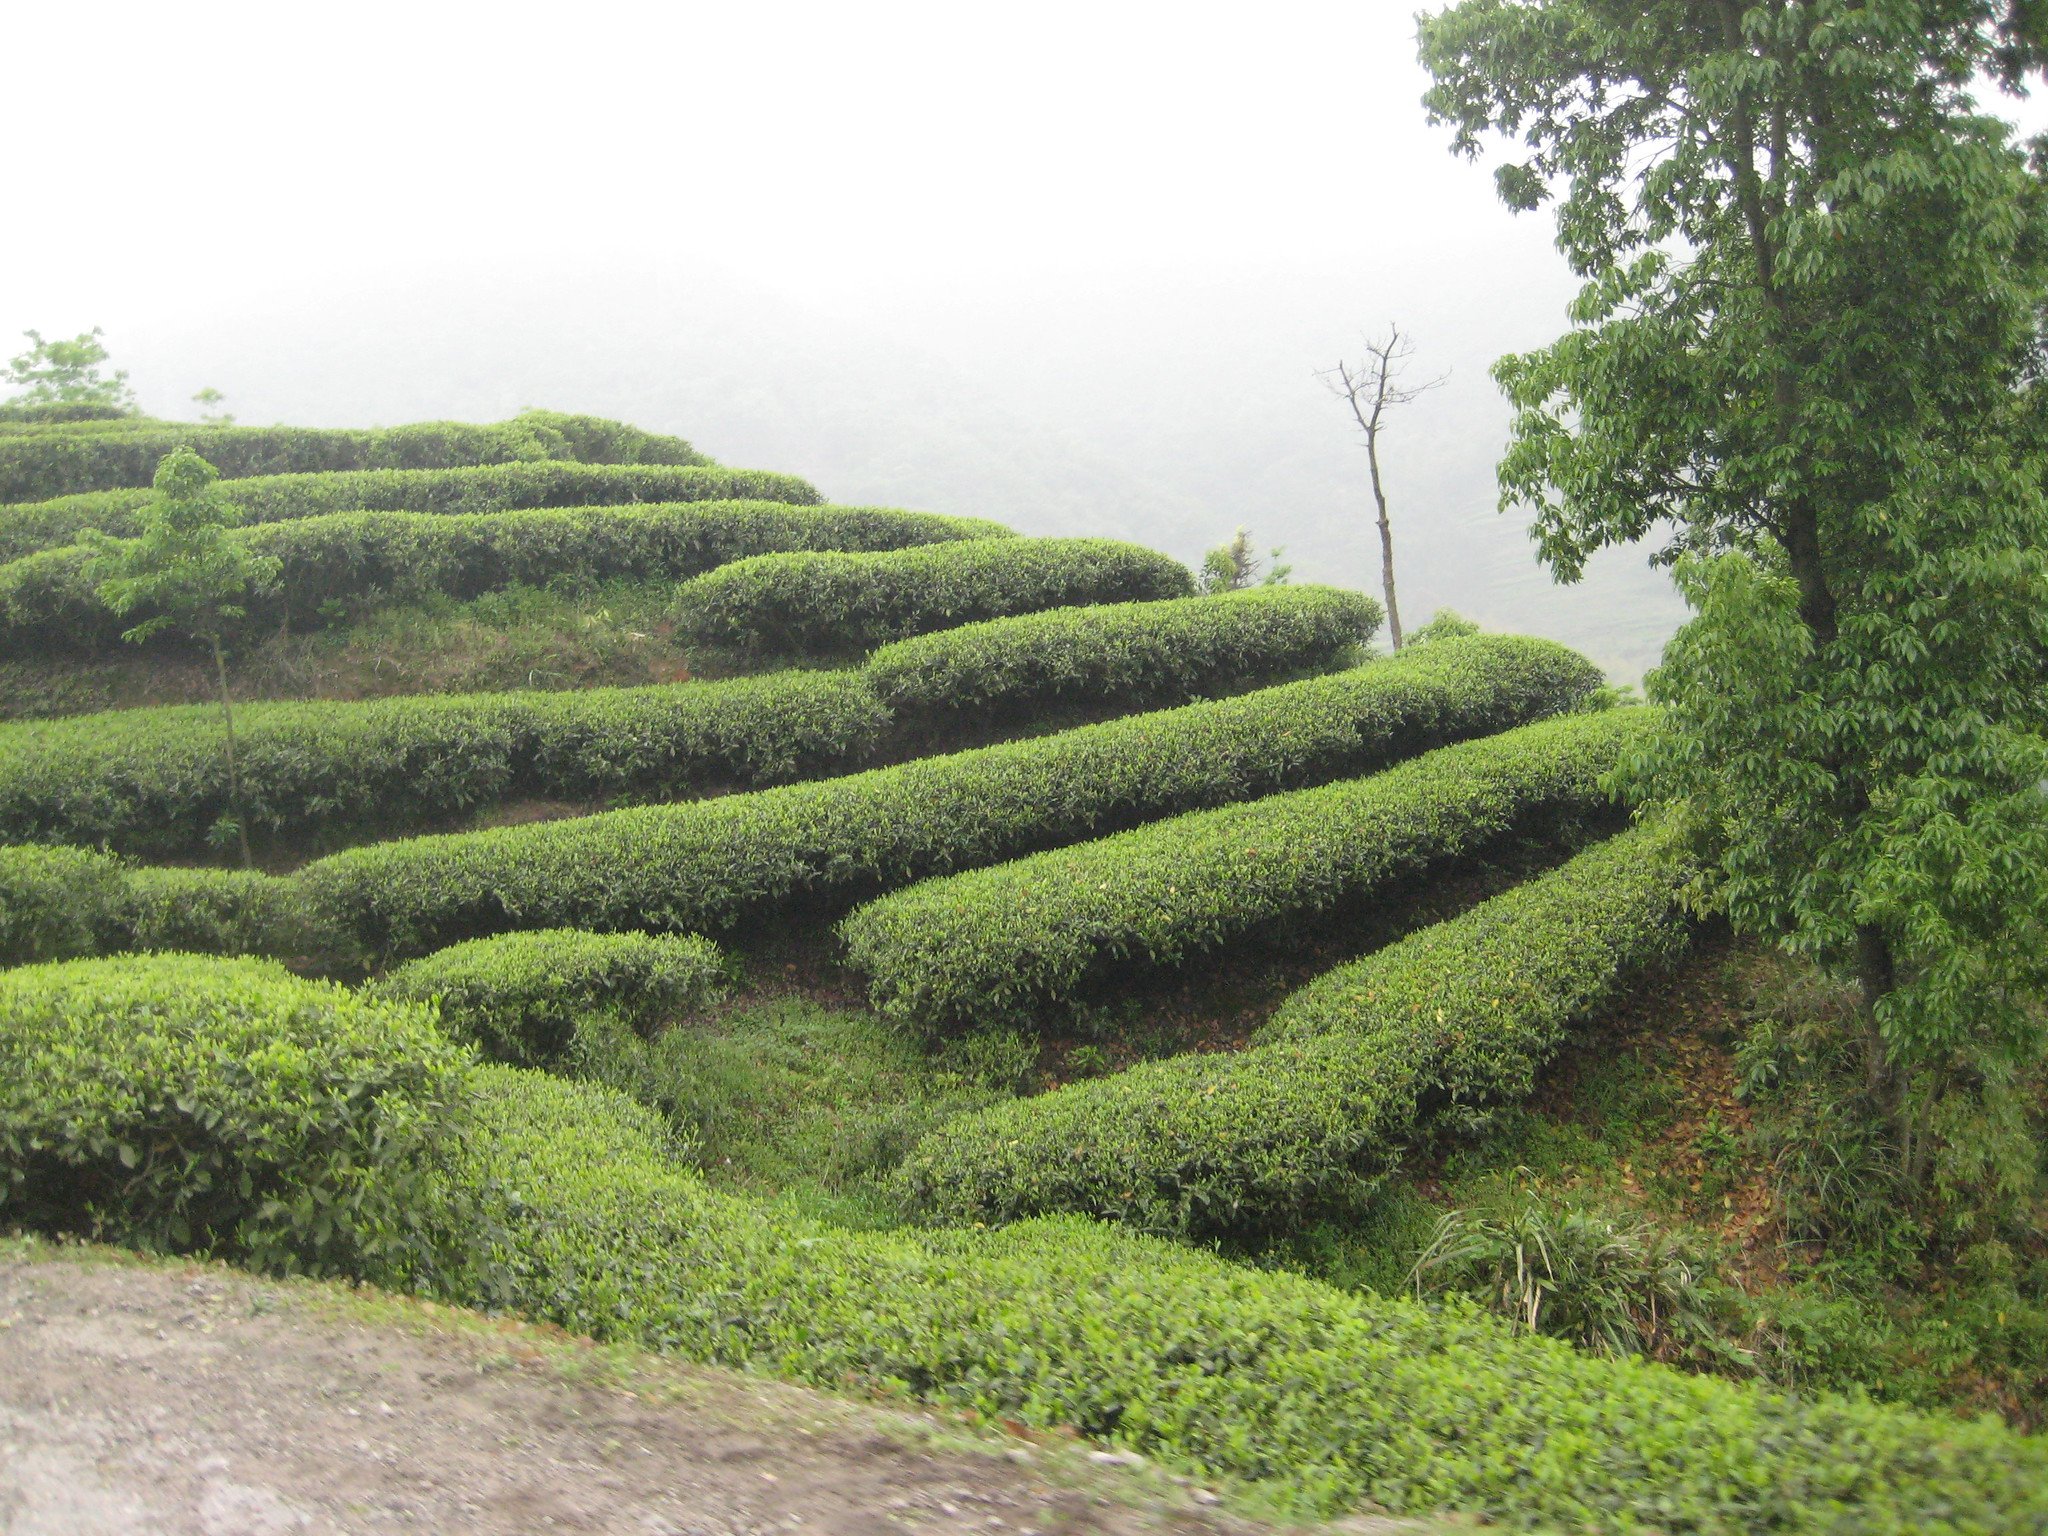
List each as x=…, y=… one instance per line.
x=520, y=995
x=1322, y=1397
x=334, y=566
x=220, y=1107
x=154, y=781
x=998, y=944
x=470, y=488
x=712, y=866
x=820, y=604
x=57, y=903
x=1337, y=1086
x=1136, y=653
x=37, y=466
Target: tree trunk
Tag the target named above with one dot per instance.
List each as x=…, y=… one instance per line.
x=1372, y=456
x=227, y=715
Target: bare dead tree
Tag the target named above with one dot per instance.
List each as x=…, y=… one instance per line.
x=1371, y=388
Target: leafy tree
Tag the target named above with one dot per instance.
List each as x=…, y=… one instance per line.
x=186, y=576
x=209, y=401
x=67, y=373
x=1809, y=345
x=1233, y=566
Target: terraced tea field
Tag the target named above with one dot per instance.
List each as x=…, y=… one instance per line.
x=935, y=986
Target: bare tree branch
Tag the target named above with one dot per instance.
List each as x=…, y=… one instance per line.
x=1371, y=388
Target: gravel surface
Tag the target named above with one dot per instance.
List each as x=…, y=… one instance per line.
x=178, y=1399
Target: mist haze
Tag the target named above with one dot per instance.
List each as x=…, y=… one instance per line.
x=1072, y=269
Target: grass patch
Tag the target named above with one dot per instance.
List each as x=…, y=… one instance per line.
x=788, y=1098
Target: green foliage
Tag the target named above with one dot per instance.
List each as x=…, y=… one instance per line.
x=334, y=566
x=151, y=781
x=182, y=573
x=839, y=604
x=1810, y=342
x=1323, y=1398
x=67, y=373
x=56, y=903
x=1346, y=1077
x=1615, y=1287
x=1442, y=625
x=34, y=468
x=1133, y=653
x=717, y=865
x=27, y=416
x=1007, y=942
x=1232, y=567
x=472, y=488
x=786, y=1099
x=220, y=1107
x=520, y=996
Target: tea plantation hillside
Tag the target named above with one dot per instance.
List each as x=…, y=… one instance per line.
x=908, y=956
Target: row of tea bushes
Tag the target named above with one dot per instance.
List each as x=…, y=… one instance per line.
x=519, y=997
x=1008, y=942
x=154, y=781
x=1338, y=1086
x=40, y=465
x=829, y=604
x=712, y=865
x=338, y=564
x=1134, y=654
x=39, y=525
x=231, y=1107
x=63, y=903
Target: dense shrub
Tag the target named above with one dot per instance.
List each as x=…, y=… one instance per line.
x=838, y=604
x=520, y=995
x=1322, y=1397
x=1337, y=1086
x=55, y=413
x=711, y=866
x=57, y=903
x=218, y=1106
x=1140, y=653
x=154, y=781
x=37, y=466
x=996, y=944
x=334, y=566
x=472, y=488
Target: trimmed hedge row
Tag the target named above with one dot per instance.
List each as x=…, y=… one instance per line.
x=219, y=1106
x=1005, y=942
x=16, y=415
x=37, y=466
x=519, y=995
x=710, y=866
x=39, y=525
x=339, y=563
x=61, y=903
x=152, y=782
x=714, y=864
x=1323, y=1397
x=1136, y=653
x=840, y=604
x=1337, y=1086
x=227, y=1104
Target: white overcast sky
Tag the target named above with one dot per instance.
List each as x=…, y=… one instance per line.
x=1069, y=265
x=835, y=148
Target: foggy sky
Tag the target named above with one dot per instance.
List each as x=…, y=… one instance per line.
x=1070, y=266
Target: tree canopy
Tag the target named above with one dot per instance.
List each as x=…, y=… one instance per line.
x=1808, y=353
x=67, y=373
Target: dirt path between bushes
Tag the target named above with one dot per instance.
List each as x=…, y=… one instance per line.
x=190, y=1400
